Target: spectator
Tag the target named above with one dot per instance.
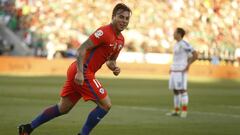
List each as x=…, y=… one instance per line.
x=214, y=24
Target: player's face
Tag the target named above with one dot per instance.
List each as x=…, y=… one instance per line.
x=121, y=20
x=176, y=35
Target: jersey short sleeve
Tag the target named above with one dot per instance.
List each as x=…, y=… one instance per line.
x=98, y=37
x=187, y=47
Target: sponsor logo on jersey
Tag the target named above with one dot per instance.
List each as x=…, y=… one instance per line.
x=120, y=47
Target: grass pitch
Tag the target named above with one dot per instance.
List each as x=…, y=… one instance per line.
x=139, y=107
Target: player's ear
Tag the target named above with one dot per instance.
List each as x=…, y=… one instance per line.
x=114, y=18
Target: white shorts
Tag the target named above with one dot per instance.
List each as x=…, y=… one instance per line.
x=178, y=81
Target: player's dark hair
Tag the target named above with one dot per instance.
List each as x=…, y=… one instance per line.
x=120, y=6
x=181, y=31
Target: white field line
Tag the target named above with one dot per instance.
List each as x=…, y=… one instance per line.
x=230, y=106
x=166, y=110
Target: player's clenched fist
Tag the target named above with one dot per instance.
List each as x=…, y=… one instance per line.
x=79, y=78
x=116, y=71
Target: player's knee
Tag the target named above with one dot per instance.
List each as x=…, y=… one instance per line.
x=176, y=92
x=106, y=107
x=64, y=109
x=65, y=105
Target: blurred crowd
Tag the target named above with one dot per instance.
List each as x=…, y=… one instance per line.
x=56, y=28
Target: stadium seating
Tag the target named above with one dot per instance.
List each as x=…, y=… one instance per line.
x=211, y=25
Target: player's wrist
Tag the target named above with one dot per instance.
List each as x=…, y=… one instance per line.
x=80, y=71
x=112, y=67
x=115, y=68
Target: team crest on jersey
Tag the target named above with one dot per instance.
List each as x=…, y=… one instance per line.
x=115, y=46
x=98, y=33
x=120, y=47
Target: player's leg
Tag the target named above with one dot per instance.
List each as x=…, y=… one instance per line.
x=69, y=98
x=176, y=95
x=176, y=101
x=176, y=104
x=184, y=96
x=98, y=94
x=95, y=116
x=184, y=103
x=63, y=107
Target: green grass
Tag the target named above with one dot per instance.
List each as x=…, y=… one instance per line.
x=139, y=107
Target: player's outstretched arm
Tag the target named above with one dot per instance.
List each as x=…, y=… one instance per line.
x=81, y=52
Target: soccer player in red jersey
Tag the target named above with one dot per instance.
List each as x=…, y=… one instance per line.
x=103, y=46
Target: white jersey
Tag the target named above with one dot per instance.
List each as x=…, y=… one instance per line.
x=182, y=50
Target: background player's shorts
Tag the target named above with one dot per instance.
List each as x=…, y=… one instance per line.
x=178, y=81
x=90, y=90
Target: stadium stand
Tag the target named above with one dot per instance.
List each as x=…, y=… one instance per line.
x=56, y=29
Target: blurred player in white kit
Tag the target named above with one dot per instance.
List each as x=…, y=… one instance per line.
x=183, y=56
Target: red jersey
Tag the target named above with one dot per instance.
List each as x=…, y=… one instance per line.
x=107, y=45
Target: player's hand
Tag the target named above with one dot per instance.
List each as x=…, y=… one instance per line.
x=116, y=71
x=186, y=69
x=79, y=78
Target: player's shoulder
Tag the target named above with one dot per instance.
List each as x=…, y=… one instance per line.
x=105, y=28
x=102, y=31
x=184, y=43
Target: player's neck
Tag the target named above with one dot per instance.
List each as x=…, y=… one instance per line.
x=115, y=29
x=179, y=39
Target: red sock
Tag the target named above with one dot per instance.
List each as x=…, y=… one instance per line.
x=176, y=109
x=184, y=108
